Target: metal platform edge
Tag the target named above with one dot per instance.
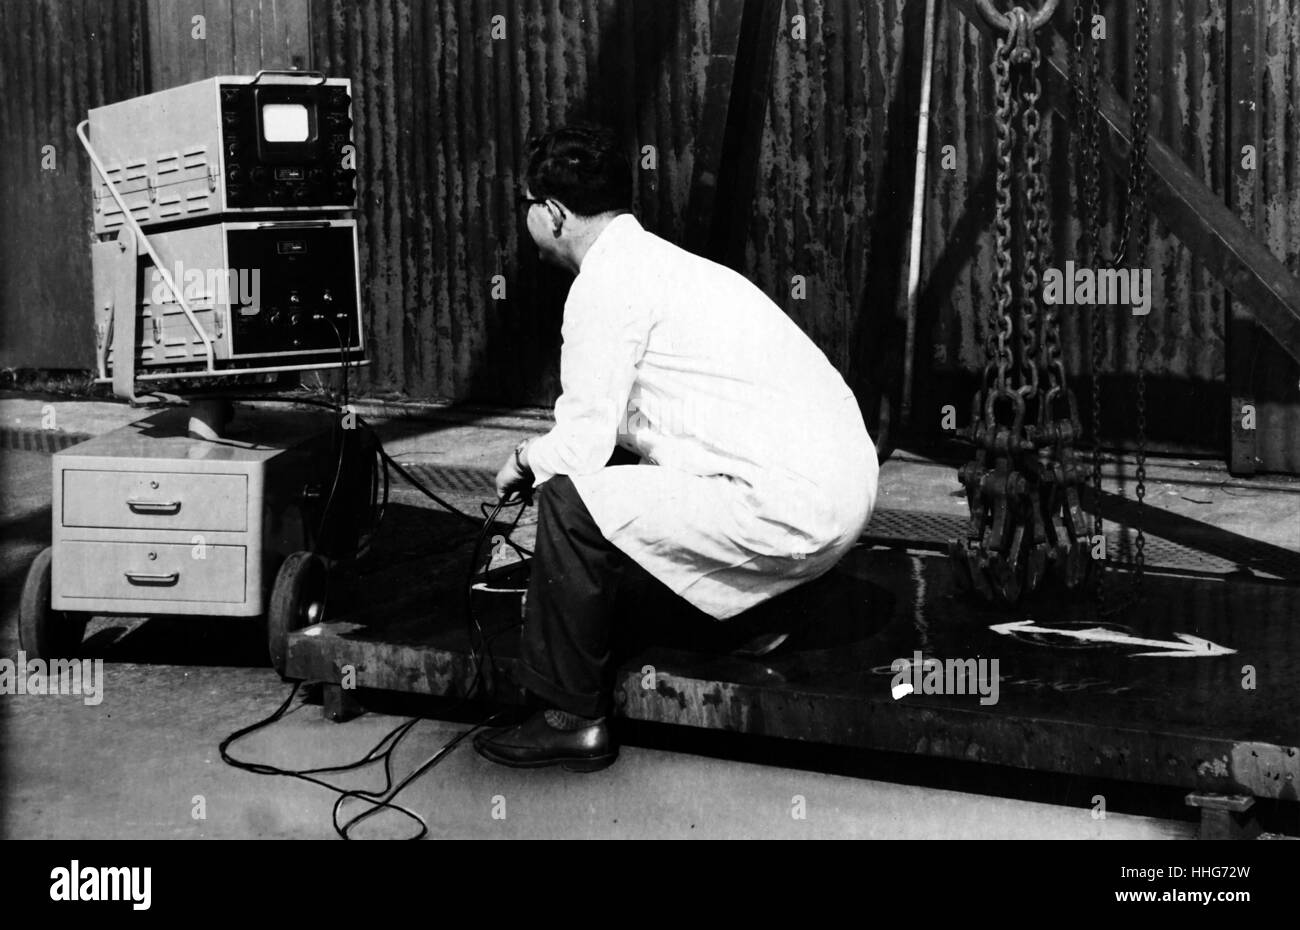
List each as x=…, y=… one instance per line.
x=1264, y=770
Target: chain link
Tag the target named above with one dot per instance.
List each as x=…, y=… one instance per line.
x=1001, y=327
x=1093, y=147
x=1131, y=241
x=1038, y=241
x=1089, y=222
x=1036, y=230
x=1138, y=199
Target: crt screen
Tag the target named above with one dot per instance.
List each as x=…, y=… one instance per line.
x=284, y=122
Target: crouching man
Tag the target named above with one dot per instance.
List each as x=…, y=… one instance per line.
x=756, y=472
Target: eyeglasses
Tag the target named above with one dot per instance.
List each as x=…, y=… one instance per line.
x=524, y=202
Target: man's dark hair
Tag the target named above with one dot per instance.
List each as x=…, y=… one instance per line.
x=582, y=166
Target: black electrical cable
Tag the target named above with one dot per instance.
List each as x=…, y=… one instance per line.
x=378, y=502
x=379, y=800
x=344, y=345
x=343, y=442
x=388, y=459
x=329, y=501
x=519, y=550
x=489, y=524
x=485, y=525
x=383, y=798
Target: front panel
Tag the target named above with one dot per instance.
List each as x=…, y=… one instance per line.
x=308, y=290
x=226, y=145
x=279, y=292
x=287, y=146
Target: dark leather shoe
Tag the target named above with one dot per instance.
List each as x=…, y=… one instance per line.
x=535, y=743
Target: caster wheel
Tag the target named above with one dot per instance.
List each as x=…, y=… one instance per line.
x=44, y=633
x=297, y=600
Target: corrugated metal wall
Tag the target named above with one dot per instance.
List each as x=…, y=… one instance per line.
x=444, y=108
x=1264, y=105
x=1186, y=368
x=447, y=94
x=57, y=60
x=828, y=179
x=446, y=99
x=826, y=205
x=834, y=205
x=233, y=37
x=442, y=123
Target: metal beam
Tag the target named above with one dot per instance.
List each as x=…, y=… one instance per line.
x=1242, y=116
x=1194, y=213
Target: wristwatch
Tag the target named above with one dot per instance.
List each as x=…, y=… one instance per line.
x=519, y=462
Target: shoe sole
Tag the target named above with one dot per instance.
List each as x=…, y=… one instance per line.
x=766, y=647
x=572, y=763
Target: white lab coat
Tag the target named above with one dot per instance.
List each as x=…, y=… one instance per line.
x=757, y=471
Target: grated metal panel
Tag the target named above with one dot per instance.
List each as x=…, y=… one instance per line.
x=39, y=440
x=931, y=531
x=922, y=530
x=466, y=478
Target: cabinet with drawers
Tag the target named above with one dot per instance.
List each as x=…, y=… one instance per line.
x=148, y=520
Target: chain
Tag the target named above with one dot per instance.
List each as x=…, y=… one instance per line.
x=1090, y=129
x=1000, y=322
x=1036, y=231
x=1135, y=210
x=1089, y=221
x=1024, y=505
x=1087, y=93
x=1038, y=240
x=1083, y=115
x=1131, y=241
x=1137, y=191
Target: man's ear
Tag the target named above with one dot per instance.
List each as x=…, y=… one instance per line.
x=557, y=217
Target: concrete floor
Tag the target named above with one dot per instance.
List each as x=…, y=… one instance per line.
x=134, y=765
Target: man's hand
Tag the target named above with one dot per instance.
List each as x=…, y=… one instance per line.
x=512, y=478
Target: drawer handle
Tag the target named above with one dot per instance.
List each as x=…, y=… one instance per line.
x=157, y=580
x=166, y=508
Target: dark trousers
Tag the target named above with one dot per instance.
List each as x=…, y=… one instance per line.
x=582, y=592
x=589, y=605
